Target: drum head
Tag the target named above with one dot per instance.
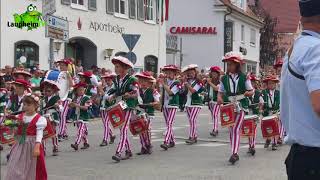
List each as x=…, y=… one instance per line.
x=63, y=84
x=251, y=117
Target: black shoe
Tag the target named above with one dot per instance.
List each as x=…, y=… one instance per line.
x=116, y=157
x=149, y=149
x=274, y=147
x=214, y=133
x=85, y=146
x=112, y=138
x=267, y=144
x=60, y=138
x=1, y=148
x=75, y=147
x=127, y=156
x=142, y=152
x=65, y=137
x=104, y=143
x=55, y=152
x=251, y=151
x=234, y=158
x=279, y=142
x=8, y=157
x=164, y=146
x=191, y=141
x=172, y=144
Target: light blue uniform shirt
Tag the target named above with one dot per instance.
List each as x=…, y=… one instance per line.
x=300, y=121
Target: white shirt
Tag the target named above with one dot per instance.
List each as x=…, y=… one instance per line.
x=41, y=125
x=189, y=95
x=271, y=98
x=19, y=102
x=174, y=89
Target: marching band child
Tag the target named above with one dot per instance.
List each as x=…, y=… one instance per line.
x=170, y=102
x=255, y=105
x=27, y=155
x=212, y=90
x=15, y=100
x=151, y=99
x=125, y=88
x=63, y=67
x=107, y=83
x=3, y=101
x=271, y=97
x=236, y=87
x=81, y=103
x=50, y=105
x=194, y=101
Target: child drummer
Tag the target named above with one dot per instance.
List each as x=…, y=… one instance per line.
x=271, y=97
x=255, y=105
x=81, y=103
x=151, y=99
x=50, y=106
x=236, y=87
x=212, y=89
x=194, y=101
x=107, y=83
x=125, y=88
x=170, y=102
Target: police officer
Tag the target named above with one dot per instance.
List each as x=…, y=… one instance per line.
x=300, y=97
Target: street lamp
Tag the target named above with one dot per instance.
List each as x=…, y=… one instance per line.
x=108, y=53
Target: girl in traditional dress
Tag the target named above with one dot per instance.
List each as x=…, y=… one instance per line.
x=27, y=160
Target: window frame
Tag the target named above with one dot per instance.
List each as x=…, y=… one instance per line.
x=242, y=35
x=253, y=37
x=135, y=5
x=84, y=7
x=147, y=8
x=119, y=14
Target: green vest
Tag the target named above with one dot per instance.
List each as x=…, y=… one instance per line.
x=275, y=105
x=196, y=99
x=213, y=92
x=15, y=105
x=241, y=89
x=126, y=86
x=2, y=103
x=105, y=103
x=52, y=110
x=255, y=99
x=147, y=98
x=173, y=99
x=88, y=90
x=84, y=114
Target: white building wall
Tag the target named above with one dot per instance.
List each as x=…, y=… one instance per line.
x=204, y=50
x=152, y=41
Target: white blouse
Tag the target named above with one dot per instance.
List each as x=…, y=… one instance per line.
x=41, y=125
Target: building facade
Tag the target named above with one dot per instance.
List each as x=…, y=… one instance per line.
x=205, y=30
x=95, y=27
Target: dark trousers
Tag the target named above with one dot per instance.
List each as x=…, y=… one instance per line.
x=303, y=163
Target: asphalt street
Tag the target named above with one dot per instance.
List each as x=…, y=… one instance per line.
x=206, y=160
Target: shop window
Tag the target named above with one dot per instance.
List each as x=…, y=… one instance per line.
x=26, y=53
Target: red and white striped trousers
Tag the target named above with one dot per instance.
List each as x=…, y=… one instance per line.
x=82, y=132
x=63, y=118
x=252, y=140
x=145, y=137
x=215, y=110
x=107, y=133
x=124, y=140
x=169, y=116
x=192, y=113
x=235, y=132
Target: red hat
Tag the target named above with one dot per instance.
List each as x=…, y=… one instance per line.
x=253, y=77
x=278, y=63
x=66, y=61
x=146, y=75
x=271, y=78
x=170, y=67
x=215, y=69
x=122, y=60
x=87, y=74
x=22, y=82
x=233, y=56
x=80, y=85
x=109, y=75
x=26, y=73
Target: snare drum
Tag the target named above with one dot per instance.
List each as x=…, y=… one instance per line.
x=138, y=125
x=249, y=125
x=6, y=135
x=116, y=114
x=269, y=126
x=227, y=114
x=48, y=132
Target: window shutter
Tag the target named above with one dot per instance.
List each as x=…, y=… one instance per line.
x=92, y=5
x=65, y=2
x=132, y=9
x=141, y=10
x=110, y=6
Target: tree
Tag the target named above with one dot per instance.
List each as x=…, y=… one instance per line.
x=269, y=48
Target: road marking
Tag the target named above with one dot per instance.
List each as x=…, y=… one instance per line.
x=211, y=145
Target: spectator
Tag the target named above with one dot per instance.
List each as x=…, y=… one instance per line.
x=8, y=74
